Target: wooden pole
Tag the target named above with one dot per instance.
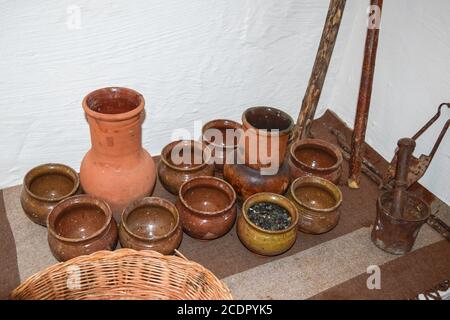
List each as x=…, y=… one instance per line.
x=365, y=93
x=319, y=72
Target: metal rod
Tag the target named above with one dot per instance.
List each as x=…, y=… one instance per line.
x=319, y=71
x=365, y=93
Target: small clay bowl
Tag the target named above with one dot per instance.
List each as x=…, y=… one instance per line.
x=262, y=241
x=181, y=161
x=80, y=225
x=46, y=185
x=151, y=223
x=214, y=135
x=315, y=157
x=317, y=201
x=207, y=207
x=260, y=126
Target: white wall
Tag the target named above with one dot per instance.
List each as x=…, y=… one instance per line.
x=205, y=59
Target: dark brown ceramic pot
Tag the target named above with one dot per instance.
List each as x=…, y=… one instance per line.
x=207, y=207
x=315, y=157
x=221, y=136
x=81, y=225
x=181, y=161
x=151, y=224
x=262, y=241
x=247, y=181
x=46, y=185
x=318, y=201
x=266, y=132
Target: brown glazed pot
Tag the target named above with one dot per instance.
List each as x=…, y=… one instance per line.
x=318, y=201
x=247, y=181
x=258, y=124
x=81, y=225
x=173, y=174
x=116, y=168
x=397, y=235
x=262, y=241
x=315, y=157
x=207, y=207
x=46, y=185
x=151, y=224
x=221, y=149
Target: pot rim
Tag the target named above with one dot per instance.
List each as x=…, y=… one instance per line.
x=322, y=144
x=409, y=195
x=276, y=199
x=76, y=200
x=283, y=132
x=208, y=213
x=114, y=116
x=58, y=168
x=169, y=147
x=152, y=202
x=316, y=181
x=210, y=125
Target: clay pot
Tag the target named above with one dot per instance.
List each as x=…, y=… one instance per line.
x=266, y=242
x=394, y=234
x=116, y=168
x=315, y=157
x=265, y=139
x=44, y=186
x=318, y=201
x=81, y=225
x=247, y=181
x=207, y=207
x=151, y=224
x=214, y=135
x=181, y=161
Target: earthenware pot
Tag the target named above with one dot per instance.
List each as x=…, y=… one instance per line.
x=181, y=161
x=151, y=224
x=116, y=168
x=265, y=139
x=315, y=157
x=267, y=242
x=247, y=181
x=394, y=234
x=81, y=225
x=221, y=136
x=46, y=185
x=318, y=201
x=207, y=207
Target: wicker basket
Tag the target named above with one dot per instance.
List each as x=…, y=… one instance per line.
x=123, y=274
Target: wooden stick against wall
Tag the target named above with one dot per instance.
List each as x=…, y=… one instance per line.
x=317, y=78
x=365, y=93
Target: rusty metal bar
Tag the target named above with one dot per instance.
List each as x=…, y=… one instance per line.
x=319, y=72
x=365, y=93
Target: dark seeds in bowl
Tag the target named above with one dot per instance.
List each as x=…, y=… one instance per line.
x=269, y=216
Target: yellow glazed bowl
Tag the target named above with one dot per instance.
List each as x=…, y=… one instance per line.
x=266, y=242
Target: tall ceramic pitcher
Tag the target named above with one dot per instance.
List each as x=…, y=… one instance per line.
x=116, y=168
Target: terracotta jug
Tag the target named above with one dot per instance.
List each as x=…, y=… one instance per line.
x=116, y=168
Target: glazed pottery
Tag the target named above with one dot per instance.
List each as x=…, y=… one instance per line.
x=247, y=181
x=266, y=242
x=396, y=234
x=315, y=157
x=318, y=201
x=265, y=138
x=81, y=225
x=214, y=135
x=44, y=186
x=207, y=207
x=151, y=224
x=181, y=161
x=116, y=168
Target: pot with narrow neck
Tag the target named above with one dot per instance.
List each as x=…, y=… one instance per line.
x=116, y=168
